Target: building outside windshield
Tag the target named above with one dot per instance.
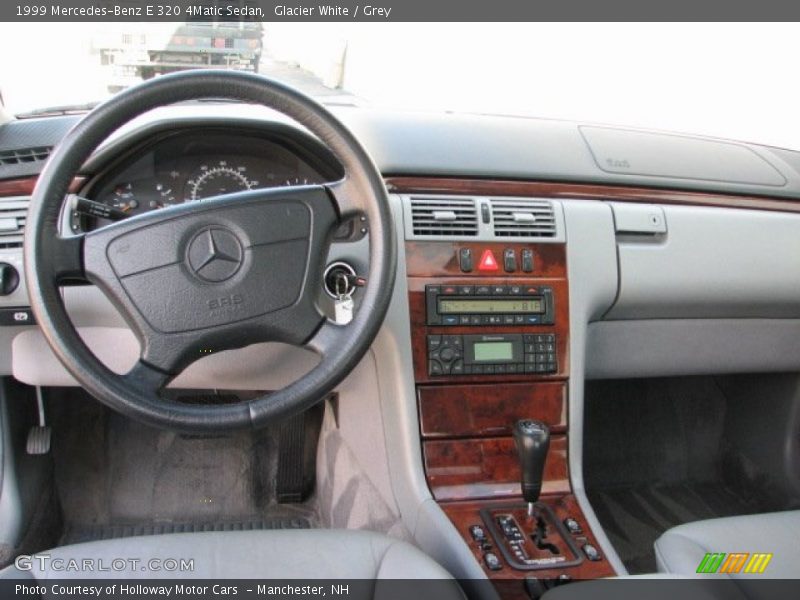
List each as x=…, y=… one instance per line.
x=635, y=75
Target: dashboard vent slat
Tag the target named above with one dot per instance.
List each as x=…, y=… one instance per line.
x=444, y=216
x=25, y=155
x=13, y=214
x=526, y=218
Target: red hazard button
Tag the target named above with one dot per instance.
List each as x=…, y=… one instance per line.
x=487, y=262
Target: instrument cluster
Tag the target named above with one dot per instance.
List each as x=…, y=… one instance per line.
x=194, y=166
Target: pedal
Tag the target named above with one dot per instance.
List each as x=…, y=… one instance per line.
x=39, y=436
x=39, y=440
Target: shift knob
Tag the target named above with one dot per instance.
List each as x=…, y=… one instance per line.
x=532, y=439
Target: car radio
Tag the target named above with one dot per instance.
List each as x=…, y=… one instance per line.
x=489, y=305
x=492, y=354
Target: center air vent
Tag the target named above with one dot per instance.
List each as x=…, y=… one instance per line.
x=444, y=216
x=13, y=212
x=523, y=218
x=24, y=155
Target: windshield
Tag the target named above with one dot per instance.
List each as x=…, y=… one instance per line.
x=695, y=78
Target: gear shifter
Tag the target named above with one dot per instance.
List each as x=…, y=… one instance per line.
x=532, y=439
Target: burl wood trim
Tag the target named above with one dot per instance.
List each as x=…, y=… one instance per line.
x=475, y=468
x=489, y=410
x=586, y=191
x=24, y=186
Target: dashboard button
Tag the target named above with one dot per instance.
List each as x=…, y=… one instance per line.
x=434, y=341
x=477, y=532
x=492, y=562
x=591, y=552
x=483, y=290
x=527, y=260
x=466, y=290
x=572, y=526
x=434, y=367
x=488, y=262
x=465, y=260
x=509, y=260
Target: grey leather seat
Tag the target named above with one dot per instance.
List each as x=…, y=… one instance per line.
x=680, y=550
x=306, y=554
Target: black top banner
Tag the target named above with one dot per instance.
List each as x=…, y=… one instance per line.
x=397, y=10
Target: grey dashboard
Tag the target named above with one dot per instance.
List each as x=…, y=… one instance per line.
x=704, y=272
x=493, y=146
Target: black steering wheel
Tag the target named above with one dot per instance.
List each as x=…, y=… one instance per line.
x=219, y=274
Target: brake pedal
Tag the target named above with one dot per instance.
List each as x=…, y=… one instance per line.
x=39, y=436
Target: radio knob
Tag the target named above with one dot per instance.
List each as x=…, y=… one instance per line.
x=447, y=354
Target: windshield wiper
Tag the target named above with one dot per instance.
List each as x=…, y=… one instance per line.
x=58, y=111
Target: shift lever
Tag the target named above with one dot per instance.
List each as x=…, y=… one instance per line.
x=532, y=439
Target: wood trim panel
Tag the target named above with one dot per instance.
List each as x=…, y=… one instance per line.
x=583, y=191
x=475, y=468
x=24, y=186
x=508, y=581
x=489, y=410
x=440, y=259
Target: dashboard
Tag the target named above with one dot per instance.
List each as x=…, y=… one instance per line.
x=665, y=273
x=193, y=165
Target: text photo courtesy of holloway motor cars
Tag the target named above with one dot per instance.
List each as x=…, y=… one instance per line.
x=435, y=300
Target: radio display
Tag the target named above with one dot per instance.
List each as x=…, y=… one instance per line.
x=493, y=351
x=462, y=306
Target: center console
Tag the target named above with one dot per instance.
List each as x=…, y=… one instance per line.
x=490, y=338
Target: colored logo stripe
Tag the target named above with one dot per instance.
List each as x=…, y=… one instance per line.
x=720, y=562
x=734, y=562
x=711, y=562
x=758, y=563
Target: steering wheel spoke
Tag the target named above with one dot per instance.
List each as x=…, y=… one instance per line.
x=67, y=265
x=147, y=378
x=347, y=197
x=328, y=337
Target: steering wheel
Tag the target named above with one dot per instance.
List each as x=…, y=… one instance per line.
x=219, y=274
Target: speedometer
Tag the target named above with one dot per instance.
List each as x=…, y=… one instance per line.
x=219, y=179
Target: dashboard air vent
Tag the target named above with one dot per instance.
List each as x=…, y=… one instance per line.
x=25, y=155
x=523, y=218
x=444, y=216
x=13, y=212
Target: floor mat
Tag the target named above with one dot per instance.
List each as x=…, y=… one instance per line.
x=115, y=477
x=655, y=457
x=634, y=517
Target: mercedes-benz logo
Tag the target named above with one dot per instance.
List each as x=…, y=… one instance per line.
x=215, y=254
